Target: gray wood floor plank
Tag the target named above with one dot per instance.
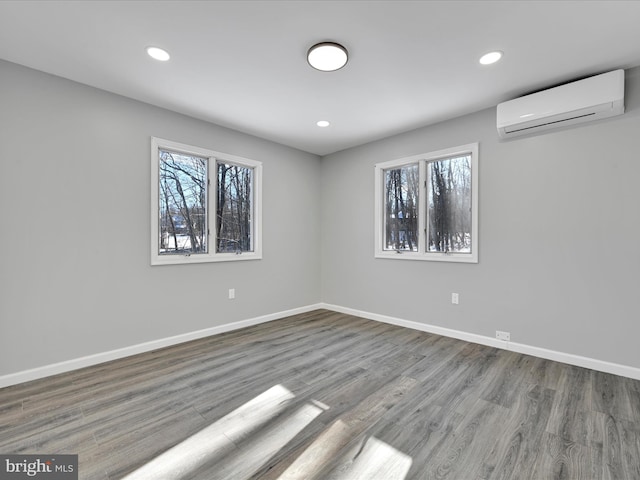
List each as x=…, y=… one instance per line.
x=516, y=451
x=545, y=373
x=620, y=448
x=504, y=388
x=365, y=400
x=418, y=427
x=612, y=396
x=571, y=417
x=563, y=459
x=464, y=449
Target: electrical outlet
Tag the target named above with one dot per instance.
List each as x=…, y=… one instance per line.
x=455, y=298
x=505, y=336
x=232, y=293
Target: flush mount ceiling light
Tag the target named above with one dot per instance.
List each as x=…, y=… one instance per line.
x=158, y=54
x=322, y=123
x=491, y=57
x=327, y=56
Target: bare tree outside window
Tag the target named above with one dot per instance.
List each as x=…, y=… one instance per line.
x=449, y=205
x=234, y=208
x=401, y=208
x=182, y=202
x=206, y=206
x=426, y=206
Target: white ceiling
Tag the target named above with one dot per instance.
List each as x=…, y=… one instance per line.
x=242, y=64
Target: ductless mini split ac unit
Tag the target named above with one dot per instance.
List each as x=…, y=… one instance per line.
x=585, y=100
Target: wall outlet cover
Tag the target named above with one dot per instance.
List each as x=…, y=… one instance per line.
x=505, y=336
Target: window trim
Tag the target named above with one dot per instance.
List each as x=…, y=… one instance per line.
x=422, y=160
x=212, y=158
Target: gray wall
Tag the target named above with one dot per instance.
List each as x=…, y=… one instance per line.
x=559, y=230
x=75, y=274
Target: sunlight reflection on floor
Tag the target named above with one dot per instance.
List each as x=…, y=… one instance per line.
x=376, y=460
x=243, y=441
x=355, y=457
x=216, y=440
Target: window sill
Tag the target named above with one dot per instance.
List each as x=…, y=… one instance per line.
x=199, y=258
x=429, y=257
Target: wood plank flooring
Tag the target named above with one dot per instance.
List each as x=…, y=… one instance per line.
x=324, y=396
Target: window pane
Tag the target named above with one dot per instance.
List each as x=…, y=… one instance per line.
x=234, y=209
x=401, y=208
x=183, y=200
x=449, y=204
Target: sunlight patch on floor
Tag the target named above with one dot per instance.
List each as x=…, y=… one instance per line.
x=367, y=459
x=216, y=440
x=244, y=441
x=376, y=460
x=321, y=452
x=256, y=451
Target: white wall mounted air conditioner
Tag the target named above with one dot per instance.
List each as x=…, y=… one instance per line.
x=592, y=98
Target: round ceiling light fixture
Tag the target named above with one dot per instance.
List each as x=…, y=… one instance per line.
x=491, y=57
x=327, y=56
x=158, y=54
x=323, y=123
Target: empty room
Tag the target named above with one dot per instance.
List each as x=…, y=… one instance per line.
x=373, y=240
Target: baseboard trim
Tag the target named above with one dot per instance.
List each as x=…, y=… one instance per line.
x=77, y=363
x=577, y=360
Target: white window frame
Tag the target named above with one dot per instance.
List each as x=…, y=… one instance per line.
x=422, y=160
x=212, y=157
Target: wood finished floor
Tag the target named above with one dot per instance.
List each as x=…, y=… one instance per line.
x=330, y=396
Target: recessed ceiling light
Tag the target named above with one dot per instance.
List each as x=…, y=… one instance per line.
x=327, y=56
x=491, y=57
x=322, y=123
x=158, y=54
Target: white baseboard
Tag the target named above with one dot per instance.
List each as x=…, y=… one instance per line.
x=76, y=363
x=577, y=360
